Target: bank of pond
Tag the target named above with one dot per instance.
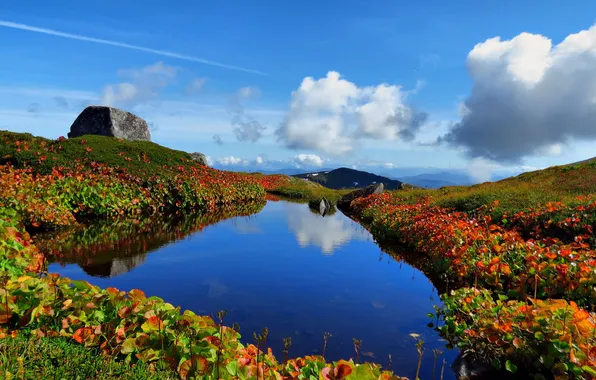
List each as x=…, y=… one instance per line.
x=286, y=277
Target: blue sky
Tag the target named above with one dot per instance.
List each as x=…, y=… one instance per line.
x=404, y=69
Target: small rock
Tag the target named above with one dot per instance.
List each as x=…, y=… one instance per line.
x=344, y=202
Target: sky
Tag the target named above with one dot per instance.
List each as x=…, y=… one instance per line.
x=482, y=86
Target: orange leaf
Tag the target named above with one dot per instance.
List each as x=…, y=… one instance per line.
x=196, y=365
x=5, y=314
x=342, y=370
x=82, y=335
x=136, y=295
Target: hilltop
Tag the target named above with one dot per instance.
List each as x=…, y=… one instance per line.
x=344, y=178
x=143, y=158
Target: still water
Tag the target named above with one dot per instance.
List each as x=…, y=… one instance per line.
x=285, y=268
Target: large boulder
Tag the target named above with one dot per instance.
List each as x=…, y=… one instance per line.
x=112, y=122
x=344, y=202
x=200, y=158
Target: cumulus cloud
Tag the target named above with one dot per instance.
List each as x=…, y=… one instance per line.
x=331, y=114
x=260, y=160
x=244, y=126
x=195, y=86
x=309, y=160
x=217, y=139
x=529, y=97
x=231, y=160
x=140, y=85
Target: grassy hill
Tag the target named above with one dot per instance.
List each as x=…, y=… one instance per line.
x=525, y=191
x=143, y=158
x=344, y=178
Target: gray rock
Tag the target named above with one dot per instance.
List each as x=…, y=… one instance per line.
x=200, y=158
x=112, y=122
x=344, y=202
x=324, y=206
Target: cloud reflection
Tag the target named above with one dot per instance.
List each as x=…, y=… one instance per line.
x=328, y=233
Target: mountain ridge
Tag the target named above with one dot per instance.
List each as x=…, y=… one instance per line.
x=346, y=178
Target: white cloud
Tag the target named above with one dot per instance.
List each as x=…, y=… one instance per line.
x=529, y=97
x=231, y=160
x=328, y=233
x=114, y=94
x=309, y=160
x=482, y=169
x=209, y=160
x=260, y=160
x=249, y=92
x=142, y=84
x=331, y=114
x=195, y=86
x=389, y=165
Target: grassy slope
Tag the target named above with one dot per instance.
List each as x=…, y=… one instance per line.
x=527, y=190
x=110, y=151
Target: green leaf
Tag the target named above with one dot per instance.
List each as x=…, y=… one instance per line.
x=509, y=366
x=539, y=335
x=590, y=370
x=128, y=346
x=232, y=368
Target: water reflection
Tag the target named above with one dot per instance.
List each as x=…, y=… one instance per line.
x=109, y=248
x=273, y=269
x=114, y=267
x=328, y=232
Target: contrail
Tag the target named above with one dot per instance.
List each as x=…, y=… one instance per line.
x=14, y=25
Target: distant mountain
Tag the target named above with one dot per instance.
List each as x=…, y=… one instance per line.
x=344, y=178
x=437, y=180
x=288, y=171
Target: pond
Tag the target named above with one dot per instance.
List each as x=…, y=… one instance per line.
x=285, y=268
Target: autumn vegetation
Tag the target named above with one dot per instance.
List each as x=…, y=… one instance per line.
x=56, y=185
x=518, y=257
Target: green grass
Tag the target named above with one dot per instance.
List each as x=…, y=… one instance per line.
x=106, y=150
x=525, y=191
x=309, y=191
x=60, y=358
